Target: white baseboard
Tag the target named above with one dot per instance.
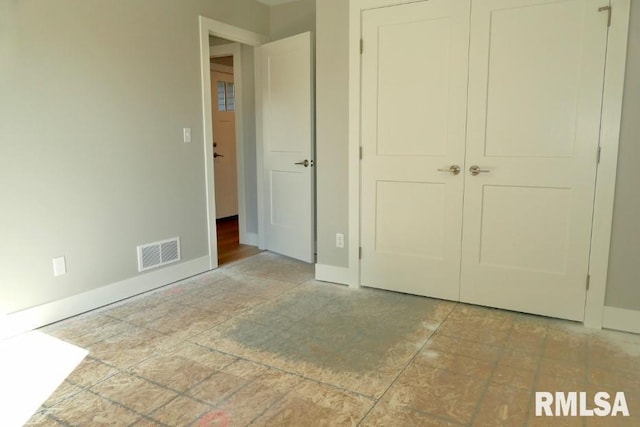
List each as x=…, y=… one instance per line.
x=35, y=317
x=250, y=239
x=333, y=274
x=621, y=319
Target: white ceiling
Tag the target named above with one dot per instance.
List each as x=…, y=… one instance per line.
x=274, y=2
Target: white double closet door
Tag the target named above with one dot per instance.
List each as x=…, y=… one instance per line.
x=512, y=88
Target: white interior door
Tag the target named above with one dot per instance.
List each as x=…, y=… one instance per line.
x=535, y=89
x=288, y=151
x=224, y=140
x=414, y=97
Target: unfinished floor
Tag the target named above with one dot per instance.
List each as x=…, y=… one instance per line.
x=259, y=342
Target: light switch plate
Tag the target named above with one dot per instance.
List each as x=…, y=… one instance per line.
x=186, y=134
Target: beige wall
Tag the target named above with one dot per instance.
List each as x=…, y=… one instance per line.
x=332, y=121
x=293, y=18
x=623, y=284
x=93, y=99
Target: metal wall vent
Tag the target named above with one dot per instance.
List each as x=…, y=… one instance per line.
x=153, y=255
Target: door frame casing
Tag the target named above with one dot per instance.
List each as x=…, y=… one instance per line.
x=606, y=173
x=602, y=224
x=210, y=27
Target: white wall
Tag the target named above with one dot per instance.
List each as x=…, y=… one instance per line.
x=93, y=99
x=623, y=283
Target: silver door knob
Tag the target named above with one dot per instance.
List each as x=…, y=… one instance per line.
x=304, y=163
x=475, y=170
x=453, y=170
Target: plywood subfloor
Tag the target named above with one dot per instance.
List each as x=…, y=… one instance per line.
x=259, y=342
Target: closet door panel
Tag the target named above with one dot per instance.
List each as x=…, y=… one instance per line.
x=414, y=95
x=535, y=91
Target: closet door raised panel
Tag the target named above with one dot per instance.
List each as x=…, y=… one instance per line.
x=535, y=92
x=414, y=94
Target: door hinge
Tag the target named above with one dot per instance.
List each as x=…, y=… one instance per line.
x=588, y=281
x=361, y=152
x=360, y=252
x=361, y=46
x=608, y=9
x=599, y=153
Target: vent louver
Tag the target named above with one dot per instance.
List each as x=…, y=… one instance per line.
x=157, y=254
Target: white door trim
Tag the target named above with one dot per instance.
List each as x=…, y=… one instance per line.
x=259, y=148
x=621, y=319
x=210, y=27
x=610, y=138
x=606, y=180
x=233, y=49
x=351, y=274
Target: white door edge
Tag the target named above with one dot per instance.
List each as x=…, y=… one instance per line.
x=259, y=149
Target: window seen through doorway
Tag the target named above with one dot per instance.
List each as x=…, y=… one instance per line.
x=226, y=96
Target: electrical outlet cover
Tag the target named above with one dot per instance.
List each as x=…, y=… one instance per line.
x=59, y=266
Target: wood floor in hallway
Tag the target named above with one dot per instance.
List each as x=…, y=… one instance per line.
x=229, y=247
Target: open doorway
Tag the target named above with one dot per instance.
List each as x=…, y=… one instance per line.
x=233, y=242
x=278, y=191
x=220, y=39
